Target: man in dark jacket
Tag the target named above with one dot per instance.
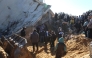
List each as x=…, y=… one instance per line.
x=42, y=36
x=53, y=38
x=78, y=26
x=47, y=35
x=34, y=39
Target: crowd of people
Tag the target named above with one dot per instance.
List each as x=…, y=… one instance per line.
x=42, y=35
x=77, y=24
x=66, y=22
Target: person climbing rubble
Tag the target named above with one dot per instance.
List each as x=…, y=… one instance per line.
x=60, y=48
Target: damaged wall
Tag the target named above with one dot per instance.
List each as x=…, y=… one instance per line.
x=18, y=13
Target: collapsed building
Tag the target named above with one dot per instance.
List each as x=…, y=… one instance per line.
x=16, y=14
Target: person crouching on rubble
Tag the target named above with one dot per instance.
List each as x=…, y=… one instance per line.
x=60, y=48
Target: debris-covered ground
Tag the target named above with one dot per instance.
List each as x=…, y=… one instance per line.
x=77, y=47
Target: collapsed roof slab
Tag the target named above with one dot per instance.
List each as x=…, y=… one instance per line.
x=15, y=14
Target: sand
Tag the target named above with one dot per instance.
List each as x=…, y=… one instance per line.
x=77, y=46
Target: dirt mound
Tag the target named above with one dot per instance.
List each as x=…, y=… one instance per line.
x=42, y=52
x=77, y=46
x=23, y=54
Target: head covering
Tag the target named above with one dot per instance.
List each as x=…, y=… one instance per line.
x=61, y=40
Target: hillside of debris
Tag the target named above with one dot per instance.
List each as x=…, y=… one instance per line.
x=77, y=47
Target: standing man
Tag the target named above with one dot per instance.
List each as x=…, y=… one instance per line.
x=46, y=37
x=90, y=26
x=78, y=26
x=53, y=38
x=34, y=39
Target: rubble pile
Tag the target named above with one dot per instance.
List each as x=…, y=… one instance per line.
x=77, y=46
x=15, y=47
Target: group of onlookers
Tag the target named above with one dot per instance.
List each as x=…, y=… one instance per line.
x=77, y=24
x=46, y=37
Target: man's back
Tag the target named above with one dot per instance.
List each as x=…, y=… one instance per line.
x=60, y=50
x=34, y=37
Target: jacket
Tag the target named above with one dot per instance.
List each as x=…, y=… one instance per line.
x=34, y=37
